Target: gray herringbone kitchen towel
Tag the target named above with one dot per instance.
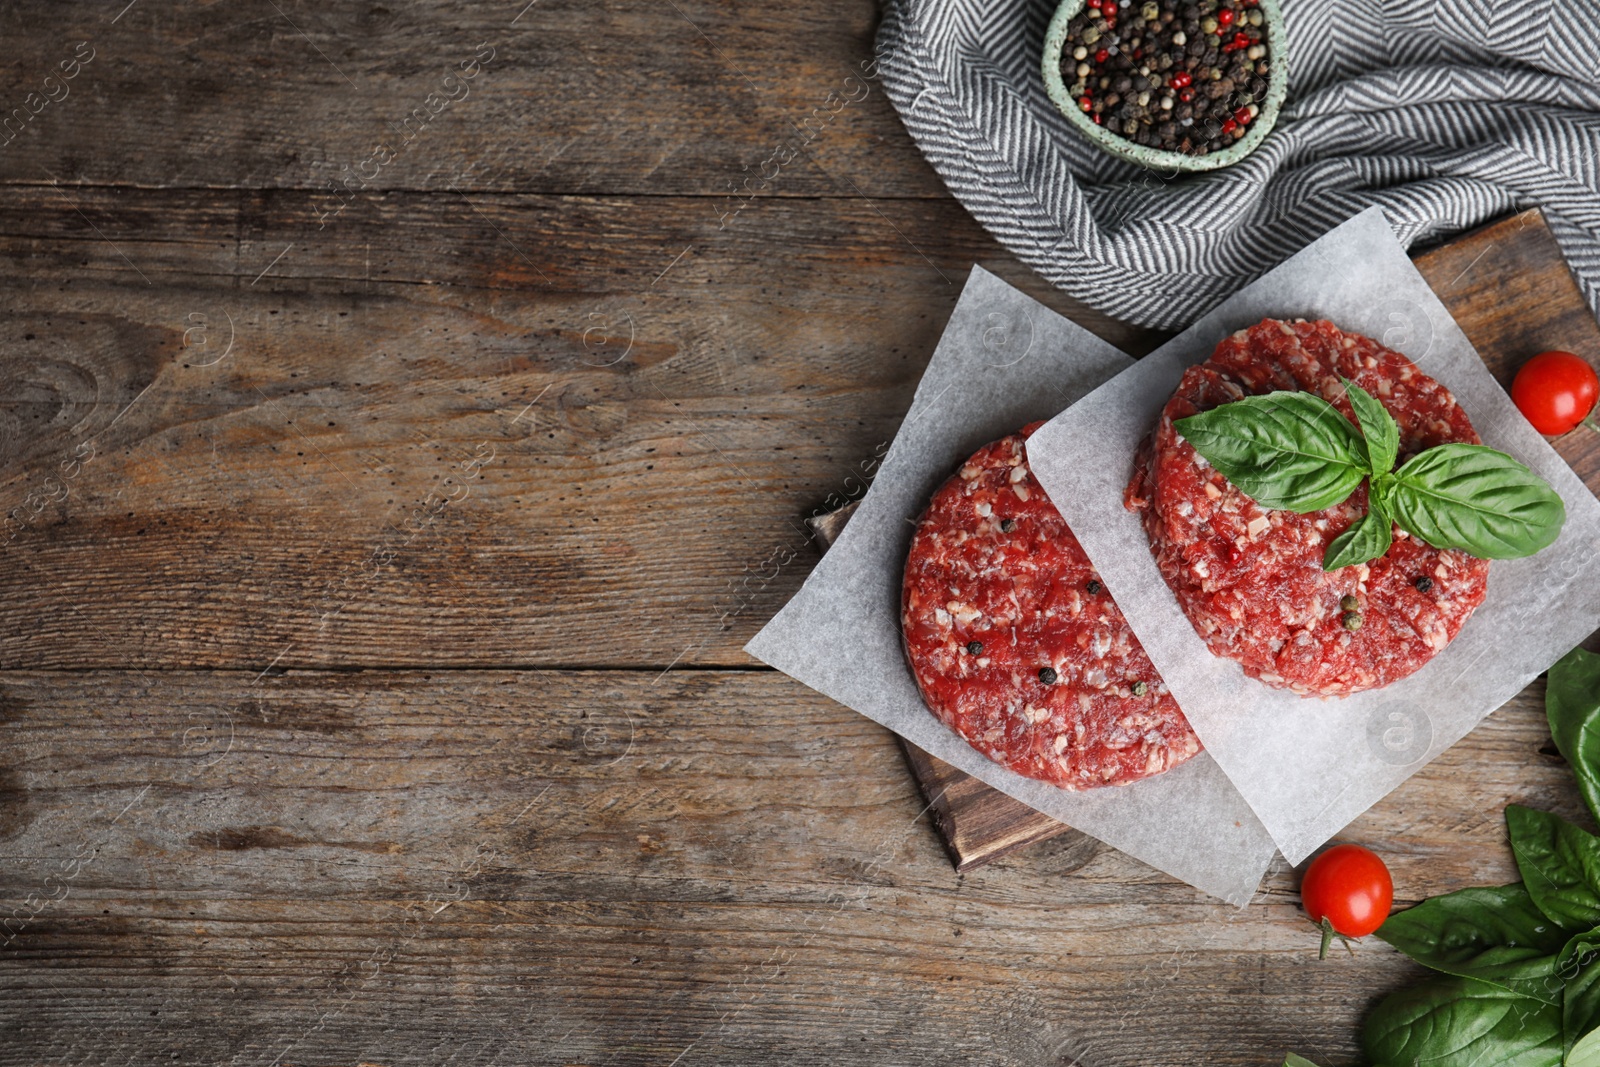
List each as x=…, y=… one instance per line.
x=1448, y=113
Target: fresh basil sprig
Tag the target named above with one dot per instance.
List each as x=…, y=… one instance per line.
x=1520, y=964
x=1296, y=452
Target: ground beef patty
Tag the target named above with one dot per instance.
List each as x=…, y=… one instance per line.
x=1251, y=580
x=1017, y=646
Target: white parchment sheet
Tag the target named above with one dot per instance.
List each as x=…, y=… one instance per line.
x=1309, y=766
x=1004, y=361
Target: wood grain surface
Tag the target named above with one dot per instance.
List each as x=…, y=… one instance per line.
x=583, y=866
x=382, y=529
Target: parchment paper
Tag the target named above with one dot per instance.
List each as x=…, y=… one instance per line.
x=1004, y=361
x=1309, y=766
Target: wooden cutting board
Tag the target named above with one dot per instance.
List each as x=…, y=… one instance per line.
x=1509, y=288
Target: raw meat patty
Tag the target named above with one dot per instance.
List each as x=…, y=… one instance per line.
x=1251, y=580
x=1017, y=646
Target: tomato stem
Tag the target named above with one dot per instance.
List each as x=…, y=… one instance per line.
x=1327, y=938
x=1589, y=421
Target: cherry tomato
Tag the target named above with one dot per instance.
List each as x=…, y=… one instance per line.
x=1555, y=391
x=1350, y=887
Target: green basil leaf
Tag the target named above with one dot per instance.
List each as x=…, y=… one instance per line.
x=1579, y=969
x=1283, y=450
x=1572, y=704
x=1378, y=427
x=1478, y=500
x=1293, y=1060
x=1495, y=934
x=1367, y=538
x=1460, y=1021
x=1586, y=1052
x=1560, y=865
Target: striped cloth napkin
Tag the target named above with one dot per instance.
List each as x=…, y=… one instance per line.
x=1447, y=113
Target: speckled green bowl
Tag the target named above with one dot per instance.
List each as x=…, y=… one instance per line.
x=1156, y=158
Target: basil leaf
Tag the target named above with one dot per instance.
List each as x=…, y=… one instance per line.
x=1293, y=1060
x=1380, y=493
x=1560, y=865
x=1586, y=1053
x=1460, y=1021
x=1492, y=933
x=1283, y=450
x=1572, y=704
x=1378, y=427
x=1579, y=969
x=1367, y=538
x=1478, y=500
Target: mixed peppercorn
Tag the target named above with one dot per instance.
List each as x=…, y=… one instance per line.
x=1181, y=75
x=1350, y=606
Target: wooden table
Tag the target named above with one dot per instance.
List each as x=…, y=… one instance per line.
x=396, y=463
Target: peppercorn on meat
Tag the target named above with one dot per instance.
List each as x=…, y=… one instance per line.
x=1250, y=579
x=1018, y=647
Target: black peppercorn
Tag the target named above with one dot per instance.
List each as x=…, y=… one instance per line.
x=1007, y=525
x=1094, y=587
x=1424, y=584
x=975, y=648
x=1047, y=675
x=1130, y=65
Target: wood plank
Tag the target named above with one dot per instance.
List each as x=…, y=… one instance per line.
x=728, y=396
x=570, y=97
x=269, y=488
x=976, y=821
x=749, y=870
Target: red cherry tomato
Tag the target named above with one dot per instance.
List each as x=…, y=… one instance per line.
x=1555, y=391
x=1350, y=887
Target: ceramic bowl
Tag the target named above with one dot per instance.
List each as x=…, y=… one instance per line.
x=1157, y=158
